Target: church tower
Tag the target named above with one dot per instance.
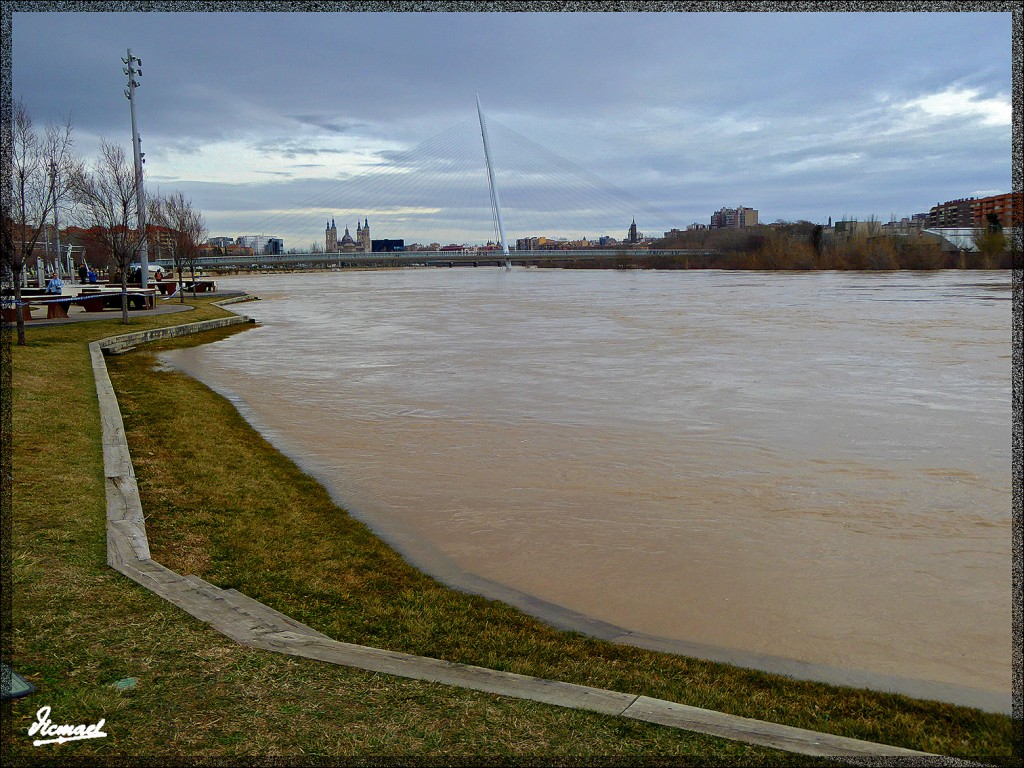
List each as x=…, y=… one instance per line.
x=363, y=235
x=331, y=245
x=632, y=237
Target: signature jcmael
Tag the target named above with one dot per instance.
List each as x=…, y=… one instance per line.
x=62, y=733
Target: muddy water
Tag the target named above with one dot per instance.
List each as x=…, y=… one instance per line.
x=806, y=473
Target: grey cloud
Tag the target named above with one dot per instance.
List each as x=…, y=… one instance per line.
x=292, y=148
x=687, y=111
x=331, y=125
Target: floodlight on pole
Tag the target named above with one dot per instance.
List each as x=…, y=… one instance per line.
x=56, y=223
x=130, y=70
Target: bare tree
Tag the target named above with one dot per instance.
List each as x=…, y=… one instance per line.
x=157, y=216
x=191, y=227
x=188, y=230
x=989, y=242
x=63, y=166
x=108, y=203
x=39, y=166
x=11, y=288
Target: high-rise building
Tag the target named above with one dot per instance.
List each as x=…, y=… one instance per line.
x=262, y=244
x=953, y=213
x=731, y=218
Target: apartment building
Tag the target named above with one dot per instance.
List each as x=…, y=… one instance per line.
x=1008, y=210
x=953, y=213
x=975, y=212
x=732, y=218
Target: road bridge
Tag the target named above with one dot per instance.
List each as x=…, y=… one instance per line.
x=466, y=257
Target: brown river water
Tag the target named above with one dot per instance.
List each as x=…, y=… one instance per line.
x=804, y=473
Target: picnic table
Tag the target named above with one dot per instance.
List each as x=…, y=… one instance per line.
x=10, y=315
x=98, y=299
x=199, y=285
x=92, y=298
x=56, y=304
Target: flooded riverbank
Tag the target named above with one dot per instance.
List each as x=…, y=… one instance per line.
x=809, y=473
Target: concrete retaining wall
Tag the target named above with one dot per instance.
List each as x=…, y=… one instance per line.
x=118, y=344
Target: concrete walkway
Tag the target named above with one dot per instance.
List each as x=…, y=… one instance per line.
x=251, y=623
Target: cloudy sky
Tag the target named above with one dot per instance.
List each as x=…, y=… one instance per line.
x=273, y=122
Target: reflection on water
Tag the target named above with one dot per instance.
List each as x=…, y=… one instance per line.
x=806, y=467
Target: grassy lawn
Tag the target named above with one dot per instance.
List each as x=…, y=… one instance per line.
x=221, y=503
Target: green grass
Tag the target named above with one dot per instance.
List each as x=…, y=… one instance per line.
x=222, y=503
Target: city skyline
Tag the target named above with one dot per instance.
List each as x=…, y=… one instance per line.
x=798, y=115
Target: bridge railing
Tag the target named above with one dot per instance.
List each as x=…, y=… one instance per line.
x=320, y=260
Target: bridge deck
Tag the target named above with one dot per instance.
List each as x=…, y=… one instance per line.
x=428, y=258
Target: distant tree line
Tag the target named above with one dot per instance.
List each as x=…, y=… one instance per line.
x=803, y=245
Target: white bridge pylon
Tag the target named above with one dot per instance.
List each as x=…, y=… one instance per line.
x=495, y=200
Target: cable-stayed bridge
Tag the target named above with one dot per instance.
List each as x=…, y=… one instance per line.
x=478, y=182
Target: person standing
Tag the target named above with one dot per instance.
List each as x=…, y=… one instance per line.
x=83, y=273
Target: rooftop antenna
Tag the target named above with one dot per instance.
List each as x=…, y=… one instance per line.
x=495, y=201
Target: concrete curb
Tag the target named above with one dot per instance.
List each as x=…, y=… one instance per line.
x=251, y=623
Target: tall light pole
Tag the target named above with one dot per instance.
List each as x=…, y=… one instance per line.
x=56, y=224
x=130, y=70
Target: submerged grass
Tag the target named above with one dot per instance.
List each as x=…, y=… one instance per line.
x=222, y=503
